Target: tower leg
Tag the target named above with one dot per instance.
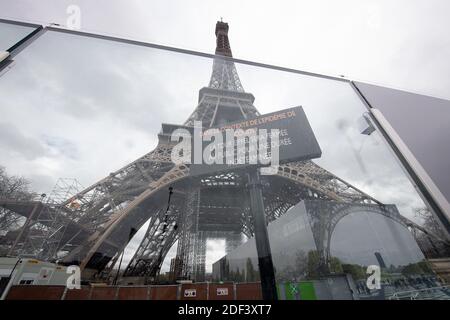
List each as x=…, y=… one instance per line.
x=188, y=234
x=199, y=257
x=232, y=241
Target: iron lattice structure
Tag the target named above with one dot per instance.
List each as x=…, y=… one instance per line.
x=93, y=226
x=46, y=222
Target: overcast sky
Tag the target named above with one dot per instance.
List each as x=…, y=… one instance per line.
x=402, y=43
x=79, y=107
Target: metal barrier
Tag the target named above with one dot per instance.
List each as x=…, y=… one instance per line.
x=27, y=292
x=164, y=292
x=77, y=294
x=435, y=293
x=134, y=293
x=191, y=291
x=248, y=291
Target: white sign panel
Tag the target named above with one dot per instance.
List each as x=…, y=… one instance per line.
x=190, y=293
x=222, y=291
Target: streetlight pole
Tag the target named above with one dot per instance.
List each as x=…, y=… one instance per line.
x=266, y=272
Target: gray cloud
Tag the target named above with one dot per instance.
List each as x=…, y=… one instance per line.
x=62, y=146
x=12, y=140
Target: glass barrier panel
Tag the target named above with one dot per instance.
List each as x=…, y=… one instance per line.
x=344, y=221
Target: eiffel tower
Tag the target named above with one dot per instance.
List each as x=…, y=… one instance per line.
x=97, y=223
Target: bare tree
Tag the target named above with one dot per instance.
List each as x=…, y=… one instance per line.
x=14, y=188
x=430, y=222
x=431, y=247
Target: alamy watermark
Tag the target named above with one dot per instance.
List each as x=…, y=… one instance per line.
x=374, y=280
x=74, y=279
x=73, y=20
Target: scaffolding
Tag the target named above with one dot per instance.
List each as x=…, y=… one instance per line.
x=42, y=234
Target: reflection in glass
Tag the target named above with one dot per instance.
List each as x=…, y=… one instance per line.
x=329, y=219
